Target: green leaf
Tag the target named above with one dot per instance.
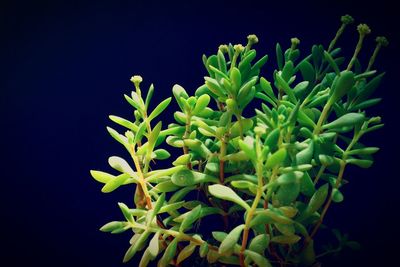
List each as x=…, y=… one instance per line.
x=245, y=125
x=245, y=185
x=246, y=146
x=221, y=61
x=227, y=245
x=113, y=226
x=161, y=154
x=146, y=258
x=121, y=165
x=203, y=250
x=272, y=138
x=120, y=138
x=286, y=239
x=153, y=137
x=172, y=207
x=307, y=71
x=214, y=86
x=124, y=122
x=337, y=196
x=140, y=132
x=236, y=79
x=363, y=151
x=198, y=147
x=342, y=84
x=318, y=199
x=287, y=70
x=201, y=103
x=135, y=246
x=363, y=163
x=259, y=243
x=168, y=254
x=245, y=89
x=276, y=158
x=369, y=88
x=149, y=96
x=291, y=177
x=271, y=216
x=226, y=193
x=279, y=56
x=187, y=177
x=366, y=104
x=113, y=184
x=191, y=217
x=283, y=85
x=156, y=209
x=101, y=177
x=259, y=64
x=125, y=211
x=305, y=156
x=257, y=258
x=287, y=193
x=307, y=256
x=307, y=185
x=285, y=229
x=349, y=119
x=182, y=160
x=219, y=236
x=212, y=256
x=186, y=252
x=331, y=62
x=133, y=101
x=154, y=245
x=160, y=108
x=267, y=88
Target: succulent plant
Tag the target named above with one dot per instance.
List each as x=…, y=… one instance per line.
x=269, y=178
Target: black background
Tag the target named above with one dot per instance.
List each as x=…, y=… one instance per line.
x=64, y=67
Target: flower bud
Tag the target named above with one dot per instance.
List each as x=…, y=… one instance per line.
x=223, y=48
x=252, y=39
x=363, y=29
x=295, y=41
x=137, y=79
x=382, y=40
x=347, y=19
x=238, y=48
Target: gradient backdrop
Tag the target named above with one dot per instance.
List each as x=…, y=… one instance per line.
x=64, y=67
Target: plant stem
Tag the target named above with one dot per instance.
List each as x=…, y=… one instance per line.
x=328, y=203
x=319, y=174
x=185, y=136
x=338, y=34
x=322, y=117
x=259, y=169
x=373, y=57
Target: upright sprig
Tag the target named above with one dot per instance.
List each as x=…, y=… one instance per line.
x=271, y=176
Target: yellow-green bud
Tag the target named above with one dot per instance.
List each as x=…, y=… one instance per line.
x=238, y=48
x=382, y=40
x=223, y=48
x=347, y=19
x=363, y=29
x=295, y=41
x=137, y=79
x=252, y=39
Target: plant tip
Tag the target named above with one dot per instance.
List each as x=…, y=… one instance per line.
x=223, y=48
x=238, y=48
x=347, y=19
x=252, y=39
x=363, y=29
x=136, y=79
x=382, y=40
x=295, y=41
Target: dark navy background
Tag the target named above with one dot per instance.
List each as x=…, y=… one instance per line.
x=64, y=67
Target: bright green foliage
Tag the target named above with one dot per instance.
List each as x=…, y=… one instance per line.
x=270, y=176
